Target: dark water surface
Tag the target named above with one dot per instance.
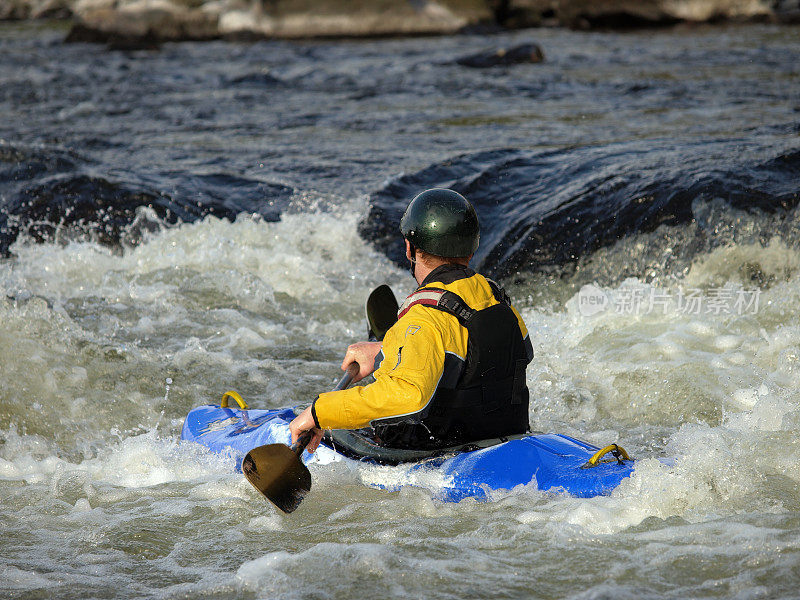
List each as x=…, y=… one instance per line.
x=661, y=167
x=608, y=122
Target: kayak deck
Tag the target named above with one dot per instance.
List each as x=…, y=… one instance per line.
x=551, y=461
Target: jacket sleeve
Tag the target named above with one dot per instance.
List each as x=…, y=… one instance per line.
x=404, y=383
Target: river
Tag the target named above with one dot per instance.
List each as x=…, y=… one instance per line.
x=212, y=216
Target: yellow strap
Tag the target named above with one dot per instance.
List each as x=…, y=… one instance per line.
x=235, y=395
x=619, y=453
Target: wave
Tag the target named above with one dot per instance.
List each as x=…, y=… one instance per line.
x=543, y=210
x=540, y=211
x=53, y=194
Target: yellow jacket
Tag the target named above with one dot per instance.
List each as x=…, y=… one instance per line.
x=414, y=353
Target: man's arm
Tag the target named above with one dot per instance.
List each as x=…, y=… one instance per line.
x=404, y=384
x=361, y=353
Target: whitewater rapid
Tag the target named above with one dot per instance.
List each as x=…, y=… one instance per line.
x=176, y=224
x=97, y=489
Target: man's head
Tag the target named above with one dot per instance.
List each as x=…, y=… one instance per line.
x=440, y=226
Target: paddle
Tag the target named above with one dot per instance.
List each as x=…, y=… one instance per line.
x=381, y=312
x=276, y=470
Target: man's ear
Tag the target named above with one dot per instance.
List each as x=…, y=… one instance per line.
x=408, y=250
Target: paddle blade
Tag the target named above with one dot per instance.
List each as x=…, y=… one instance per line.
x=277, y=472
x=381, y=311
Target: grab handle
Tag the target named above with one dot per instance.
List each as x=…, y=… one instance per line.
x=235, y=395
x=616, y=451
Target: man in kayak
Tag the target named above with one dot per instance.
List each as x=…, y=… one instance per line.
x=451, y=370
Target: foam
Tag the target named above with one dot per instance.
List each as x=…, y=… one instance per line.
x=89, y=432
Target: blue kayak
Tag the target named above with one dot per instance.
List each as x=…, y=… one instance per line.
x=553, y=462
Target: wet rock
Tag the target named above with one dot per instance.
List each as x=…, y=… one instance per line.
x=142, y=24
x=35, y=9
x=52, y=9
x=11, y=10
x=524, y=53
x=518, y=14
x=583, y=14
x=787, y=11
x=149, y=22
x=623, y=14
x=153, y=21
x=290, y=19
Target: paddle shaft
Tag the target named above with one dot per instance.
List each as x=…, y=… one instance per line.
x=381, y=309
x=346, y=380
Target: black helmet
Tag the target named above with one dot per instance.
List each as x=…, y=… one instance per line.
x=441, y=222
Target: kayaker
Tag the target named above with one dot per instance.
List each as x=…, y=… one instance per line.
x=451, y=370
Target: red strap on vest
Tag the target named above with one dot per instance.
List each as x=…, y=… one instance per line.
x=427, y=296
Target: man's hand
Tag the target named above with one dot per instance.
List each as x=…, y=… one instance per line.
x=364, y=354
x=302, y=423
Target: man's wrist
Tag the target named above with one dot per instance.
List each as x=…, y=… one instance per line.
x=314, y=413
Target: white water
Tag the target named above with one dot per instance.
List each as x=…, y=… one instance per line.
x=100, y=500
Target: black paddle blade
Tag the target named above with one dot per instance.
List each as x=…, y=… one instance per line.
x=381, y=311
x=277, y=472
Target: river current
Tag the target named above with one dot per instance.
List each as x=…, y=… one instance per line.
x=205, y=217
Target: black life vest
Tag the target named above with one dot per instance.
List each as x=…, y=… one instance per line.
x=489, y=399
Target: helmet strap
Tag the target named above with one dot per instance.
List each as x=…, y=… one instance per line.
x=413, y=259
